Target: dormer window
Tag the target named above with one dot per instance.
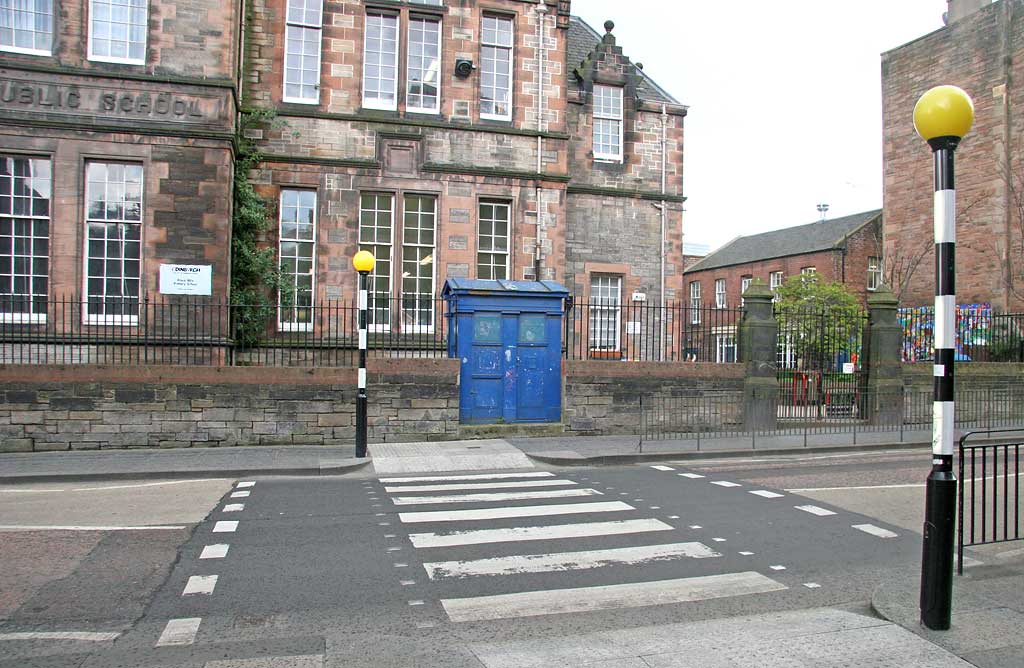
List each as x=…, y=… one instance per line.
x=608, y=123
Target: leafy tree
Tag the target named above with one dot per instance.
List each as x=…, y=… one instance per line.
x=819, y=323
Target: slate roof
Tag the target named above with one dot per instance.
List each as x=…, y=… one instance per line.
x=583, y=39
x=810, y=238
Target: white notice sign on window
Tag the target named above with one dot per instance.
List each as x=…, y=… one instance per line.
x=186, y=279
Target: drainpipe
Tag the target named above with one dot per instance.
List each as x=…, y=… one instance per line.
x=1007, y=138
x=541, y=20
x=664, y=213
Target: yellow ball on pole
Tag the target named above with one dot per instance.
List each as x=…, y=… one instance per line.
x=363, y=261
x=944, y=111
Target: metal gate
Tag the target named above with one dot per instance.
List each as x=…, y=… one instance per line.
x=819, y=356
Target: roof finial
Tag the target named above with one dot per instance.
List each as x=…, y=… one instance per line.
x=609, y=26
x=609, y=38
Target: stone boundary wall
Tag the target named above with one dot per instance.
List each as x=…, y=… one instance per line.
x=91, y=407
x=603, y=397
x=918, y=376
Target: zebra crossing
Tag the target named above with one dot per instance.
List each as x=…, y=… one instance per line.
x=497, y=526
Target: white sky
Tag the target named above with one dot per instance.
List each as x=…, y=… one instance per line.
x=785, y=100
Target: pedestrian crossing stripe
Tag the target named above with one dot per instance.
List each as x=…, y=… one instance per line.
x=513, y=511
x=478, y=485
x=498, y=496
x=568, y=561
x=517, y=534
x=471, y=476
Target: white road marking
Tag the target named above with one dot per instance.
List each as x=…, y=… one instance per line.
x=718, y=540
x=633, y=595
x=28, y=491
x=840, y=489
x=475, y=476
x=180, y=632
x=567, y=561
x=875, y=531
x=60, y=635
x=725, y=483
x=77, y=527
x=692, y=476
x=417, y=602
x=240, y=495
x=406, y=583
x=479, y=485
x=696, y=526
x=777, y=568
x=815, y=510
x=746, y=554
x=499, y=496
x=145, y=484
x=766, y=494
x=660, y=467
x=812, y=585
x=218, y=551
x=200, y=584
x=234, y=507
x=225, y=526
x=516, y=534
x=247, y=483
x=514, y=511
x=673, y=517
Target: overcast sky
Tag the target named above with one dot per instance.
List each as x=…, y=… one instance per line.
x=785, y=100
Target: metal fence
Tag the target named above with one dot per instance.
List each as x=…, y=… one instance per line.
x=989, y=506
x=981, y=334
x=819, y=355
x=717, y=414
x=200, y=331
x=641, y=331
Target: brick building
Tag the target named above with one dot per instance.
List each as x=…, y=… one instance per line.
x=497, y=140
x=845, y=250
x=116, y=129
x=981, y=49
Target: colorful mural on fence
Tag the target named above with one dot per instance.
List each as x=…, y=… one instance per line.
x=973, y=329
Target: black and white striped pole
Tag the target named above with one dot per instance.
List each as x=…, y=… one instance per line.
x=363, y=262
x=942, y=117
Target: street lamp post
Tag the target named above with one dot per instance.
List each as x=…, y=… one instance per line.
x=363, y=262
x=942, y=117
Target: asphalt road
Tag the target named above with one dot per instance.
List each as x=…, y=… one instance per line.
x=356, y=572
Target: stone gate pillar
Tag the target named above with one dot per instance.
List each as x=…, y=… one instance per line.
x=883, y=371
x=758, y=334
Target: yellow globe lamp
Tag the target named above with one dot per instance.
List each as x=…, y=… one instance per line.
x=363, y=262
x=944, y=111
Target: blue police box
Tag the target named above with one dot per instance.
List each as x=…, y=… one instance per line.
x=508, y=337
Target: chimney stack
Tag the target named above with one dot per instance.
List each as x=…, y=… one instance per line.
x=959, y=9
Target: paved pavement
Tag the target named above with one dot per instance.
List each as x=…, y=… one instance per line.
x=987, y=617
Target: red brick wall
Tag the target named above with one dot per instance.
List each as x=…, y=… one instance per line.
x=970, y=54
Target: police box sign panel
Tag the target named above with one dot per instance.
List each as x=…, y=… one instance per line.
x=186, y=279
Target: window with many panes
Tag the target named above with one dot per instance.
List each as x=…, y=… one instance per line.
x=695, y=302
x=419, y=224
x=26, y=26
x=775, y=282
x=874, y=273
x=380, y=61
x=296, y=259
x=608, y=123
x=744, y=284
x=25, y=192
x=605, y=300
x=113, y=259
x=725, y=348
x=423, y=69
x=304, y=24
x=720, y=298
x=492, y=239
x=376, y=228
x=496, y=37
x=117, y=30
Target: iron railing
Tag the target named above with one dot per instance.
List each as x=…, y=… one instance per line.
x=716, y=414
x=201, y=331
x=981, y=335
x=642, y=331
x=819, y=353
x=989, y=506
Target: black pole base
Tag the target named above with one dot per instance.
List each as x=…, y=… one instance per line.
x=361, y=423
x=937, y=558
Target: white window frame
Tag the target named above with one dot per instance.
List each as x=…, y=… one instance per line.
x=724, y=341
x=775, y=280
x=510, y=49
x=606, y=312
x=874, y=273
x=104, y=319
x=608, y=114
x=378, y=276
x=808, y=271
x=415, y=327
x=30, y=316
x=744, y=284
x=785, y=355
x=437, y=68
x=435, y=3
x=298, y=21
x=145, y=32
x=480, y=236
x=695, y=302
x=284, y=325
x=377, y=102
x=721, y=297
x=35, y=13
